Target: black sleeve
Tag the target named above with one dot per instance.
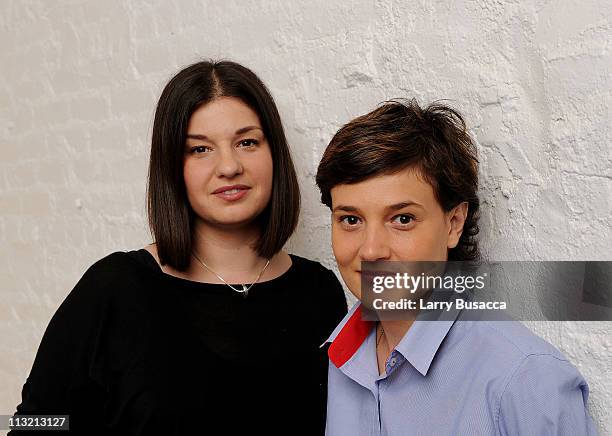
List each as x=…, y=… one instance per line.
x=332, y=295
x=67, y=376
x=332, y=307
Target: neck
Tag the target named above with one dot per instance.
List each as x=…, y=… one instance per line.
x=394, y=330
x=227, y=250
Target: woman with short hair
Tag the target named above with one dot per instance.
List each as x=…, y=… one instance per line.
x=401, y=183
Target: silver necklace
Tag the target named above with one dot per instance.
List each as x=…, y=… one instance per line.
x=245, y=289
x=382, y=332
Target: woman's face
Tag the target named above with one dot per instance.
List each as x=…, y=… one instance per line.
x=228, y=164
x=390, y=217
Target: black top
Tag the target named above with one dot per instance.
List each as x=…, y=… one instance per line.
x=135, y=351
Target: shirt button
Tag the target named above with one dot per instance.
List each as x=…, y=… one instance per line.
x=393, y=361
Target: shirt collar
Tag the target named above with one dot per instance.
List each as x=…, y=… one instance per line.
x=348, y=336
x=418, y=346
x=422, y=341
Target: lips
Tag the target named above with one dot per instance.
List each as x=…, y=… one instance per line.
x=369, y=275
x=231, y=192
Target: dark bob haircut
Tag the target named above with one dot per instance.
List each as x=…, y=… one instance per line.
x=398, y=135
x=171, y=218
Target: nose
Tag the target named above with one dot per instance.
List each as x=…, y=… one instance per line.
x=228, y=164
x=375, y=245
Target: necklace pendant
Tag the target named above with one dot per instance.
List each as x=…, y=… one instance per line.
x=245, y=291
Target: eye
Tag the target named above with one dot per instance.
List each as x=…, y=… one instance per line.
x=200, y=149
x=402, y=219
x=349, y=220
x=248, y=143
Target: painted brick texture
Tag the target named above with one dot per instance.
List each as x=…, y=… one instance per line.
x=79, y=81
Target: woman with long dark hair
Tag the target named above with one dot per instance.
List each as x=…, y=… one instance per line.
x=213, y=320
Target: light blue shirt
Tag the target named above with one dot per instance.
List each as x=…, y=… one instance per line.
x=453, y=377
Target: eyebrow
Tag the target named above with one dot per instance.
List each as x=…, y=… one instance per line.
x=238, y=132
x=345, y=208
x=393, y=207
x=404, y=204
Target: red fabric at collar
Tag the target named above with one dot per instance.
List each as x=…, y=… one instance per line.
x=349, y=339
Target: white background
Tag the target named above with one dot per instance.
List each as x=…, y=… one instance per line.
x=79, y=82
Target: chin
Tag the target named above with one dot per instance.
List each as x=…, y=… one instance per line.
x=355, y=289
x=235, y=222
x=226, y=220
x=356, y=294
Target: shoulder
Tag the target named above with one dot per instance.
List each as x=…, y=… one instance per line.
x=307, y=265
x=502, y=349
x=533, y=381
x=314, y=274
x=320, y=286
x=112, y=265
x=106, y=277
x=543, y=392
x=85, y=307
x=513, y=339
x=523, y=349
x=116, y=285
x=103, y=315
x=526, y=353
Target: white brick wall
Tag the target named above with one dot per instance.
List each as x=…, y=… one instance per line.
x=78, y=85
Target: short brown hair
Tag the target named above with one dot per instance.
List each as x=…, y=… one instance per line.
x=171, y=218
x=400, y=134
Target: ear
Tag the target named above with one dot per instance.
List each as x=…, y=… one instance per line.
x=456, y=220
